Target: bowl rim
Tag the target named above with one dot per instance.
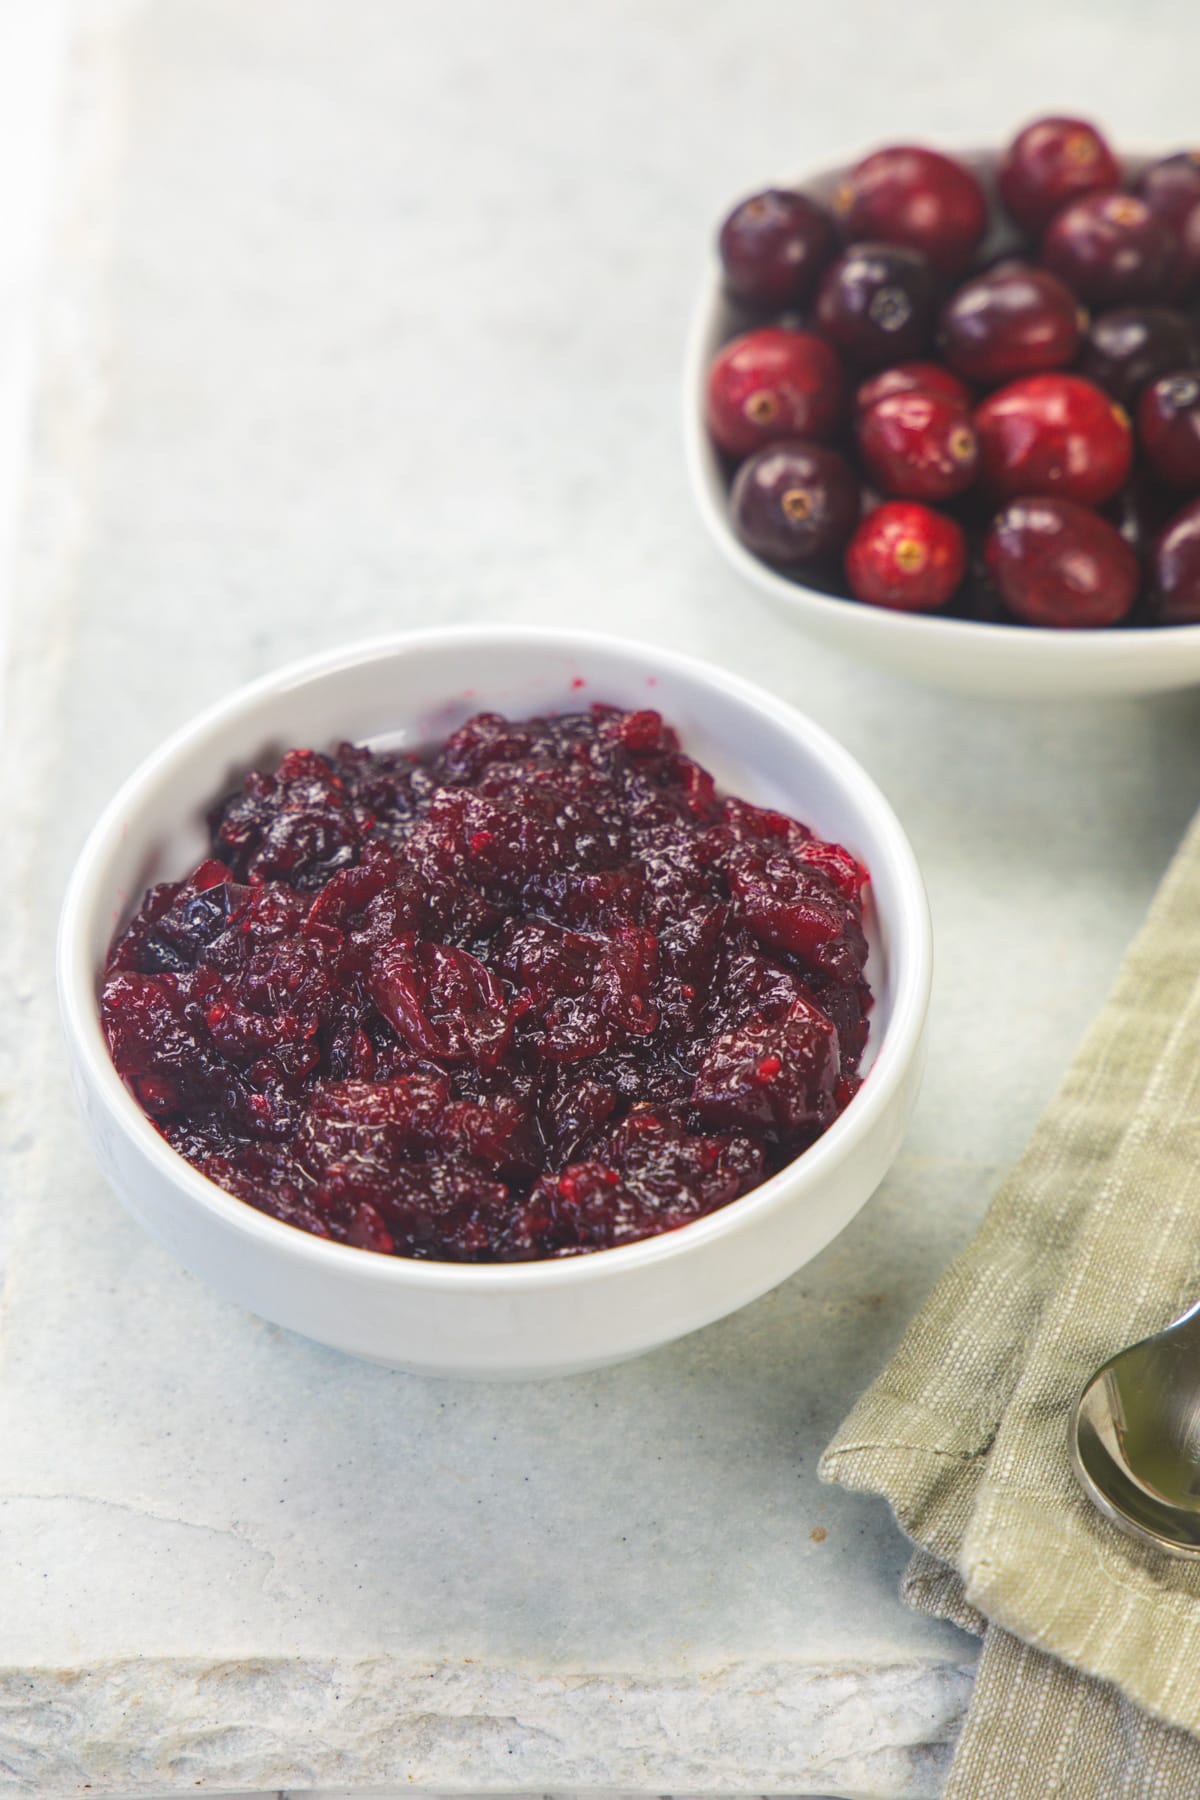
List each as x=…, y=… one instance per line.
x=910, y=946
x=1051, y=648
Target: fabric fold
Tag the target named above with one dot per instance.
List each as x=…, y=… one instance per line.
x=1090, y=1243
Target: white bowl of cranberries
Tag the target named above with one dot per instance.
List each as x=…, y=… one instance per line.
x=945, y=410
x=496, y=1002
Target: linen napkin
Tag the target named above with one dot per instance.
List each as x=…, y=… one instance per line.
x=1089, y=1679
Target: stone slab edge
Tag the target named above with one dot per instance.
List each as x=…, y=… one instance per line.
x=141, y=1727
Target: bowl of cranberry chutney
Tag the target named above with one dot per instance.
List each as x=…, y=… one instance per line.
x=1021, y=435
x=571, y=1190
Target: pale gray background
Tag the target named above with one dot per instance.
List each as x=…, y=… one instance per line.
x=366, y=315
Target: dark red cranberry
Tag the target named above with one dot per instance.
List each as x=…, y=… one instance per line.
x=1050, y=162
x=1012, y=321
x=1187, y=267
x=773, y=246
x=1059, y=564
x=876, y=304
x=1139, y=512
x=917, y=198
x=794, y=502
x=1053, y=434
x=1110, y=248
x=906, y=557
x=1133, y=345
x=912, y=377
x=773, y=384
x=1177, y=569
x=1168, y=423
x=1171, y=186
x=918, y=445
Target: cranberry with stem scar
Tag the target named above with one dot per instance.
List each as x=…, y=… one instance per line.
x=918, y=445
x=1049, y=163
x=917, y=198
x=773, y=384
x=876, y=304
x=795, y=502
x=906, y=557
x=1110, y=248
x=773, y=246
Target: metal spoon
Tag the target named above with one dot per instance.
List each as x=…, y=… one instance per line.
x=1135, y=1439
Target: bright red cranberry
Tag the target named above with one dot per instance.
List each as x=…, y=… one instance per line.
x=1050, y=162
x=917, y=198
x=1059, y=564
x=1110, y=248
x=1168, y=423
x=1013, y=321
x=1133, y=345
x=912, y=377
x=1053, y=434
x=918, y=445
x=1177, y=570
x=795, y=502
x=773, y=246
x=876, y=304
x=906, y=557
x=773, y=384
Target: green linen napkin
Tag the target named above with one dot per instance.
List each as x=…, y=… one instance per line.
x=1089, y=1679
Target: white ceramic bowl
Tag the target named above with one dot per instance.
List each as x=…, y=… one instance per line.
x=1009, y=660
x=524, y=1319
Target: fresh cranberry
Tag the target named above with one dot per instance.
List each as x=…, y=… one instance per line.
x=773, y=384
x=1171, y=186
x=876, y=304
x=1177, y=569
x=1059, y=564
x=1139, y=512
x=1168, y=422
x=916, y=198
x=1134, y=345
x=795, y=502
x=1053, y=434
x=773, y=247
x=906, y=557
x=918, y=445
x=1050, y=162
x=1187, y=267
x=1110, y=248
x=912, y=377
x=1012, y=321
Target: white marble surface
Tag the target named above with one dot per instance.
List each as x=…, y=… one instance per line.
x=379, y=322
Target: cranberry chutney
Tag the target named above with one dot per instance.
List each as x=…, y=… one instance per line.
x=537, y=991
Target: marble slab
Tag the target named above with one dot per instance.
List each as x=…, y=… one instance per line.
x=370, y=315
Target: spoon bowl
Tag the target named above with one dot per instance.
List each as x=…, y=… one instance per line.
x=1135, y=1438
